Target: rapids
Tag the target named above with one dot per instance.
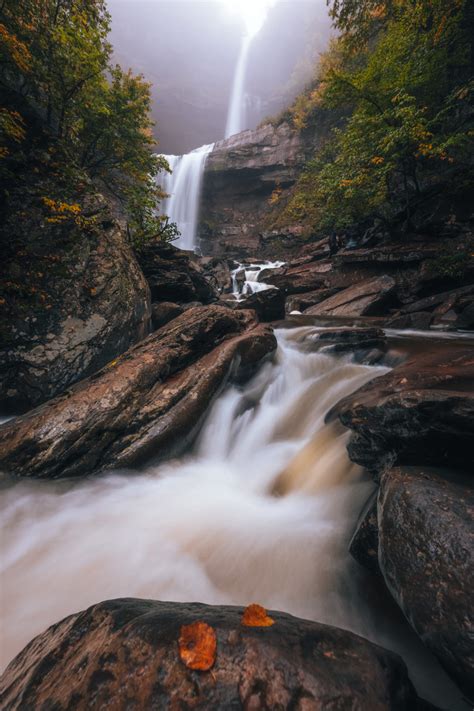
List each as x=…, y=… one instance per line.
x=260, y=511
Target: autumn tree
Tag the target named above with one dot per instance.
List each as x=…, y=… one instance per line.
x=60, y=89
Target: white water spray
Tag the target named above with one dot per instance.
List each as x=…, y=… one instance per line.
x=183, y=186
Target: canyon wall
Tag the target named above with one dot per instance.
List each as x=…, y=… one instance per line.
x=241, y=175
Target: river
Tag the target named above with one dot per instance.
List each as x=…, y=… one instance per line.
x=261, y=510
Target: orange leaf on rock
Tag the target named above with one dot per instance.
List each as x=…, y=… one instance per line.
x=256, y=616
x=197, y=646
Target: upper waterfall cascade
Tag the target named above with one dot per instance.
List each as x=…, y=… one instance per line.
x=236, y=114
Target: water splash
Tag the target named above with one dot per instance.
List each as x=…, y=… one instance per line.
x=183, y=186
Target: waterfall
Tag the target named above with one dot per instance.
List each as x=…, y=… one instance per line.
x=260, y=511
x=183, y=186
x=236, y=114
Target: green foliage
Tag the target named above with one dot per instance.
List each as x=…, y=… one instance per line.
x=403, y=92
x=61, y=90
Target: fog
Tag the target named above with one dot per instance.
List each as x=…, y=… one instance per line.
x=188, y=50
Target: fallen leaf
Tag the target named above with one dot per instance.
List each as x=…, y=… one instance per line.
x=256, y=616
x=197, y=646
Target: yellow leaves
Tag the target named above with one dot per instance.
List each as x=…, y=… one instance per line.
x=256, y=616
x=18, y=51
x=377, y=160
x=197, y=646
x=276, y=195
x=345, y=183
x=62, y=211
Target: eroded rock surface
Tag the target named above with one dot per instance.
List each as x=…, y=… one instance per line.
x=173, y=276
x=422, y=412
x=125, y=653
x=368, y=298
x=426, y=555
x=147, y=403
x=92, y=303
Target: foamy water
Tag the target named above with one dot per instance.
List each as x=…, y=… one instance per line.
x=261, y=511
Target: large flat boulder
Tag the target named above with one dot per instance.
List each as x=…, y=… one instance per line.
x=426, y=555
x=422, y=412
x=124, y=654
x=368, y=298
x=300, y=278
x=74, y=299
x=148, y=403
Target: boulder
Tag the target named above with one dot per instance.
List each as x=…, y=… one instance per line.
x=268, y=304
x=422, y=412
x=217, y=271
x=364, y=545
x=125, y=654
x=426, y=555
x=420, y=320
x=148, y=403
x=367, y=298
x=173, y=276
x=164, y=312
x=75, y=298
x=299, y=279
x=301, y=302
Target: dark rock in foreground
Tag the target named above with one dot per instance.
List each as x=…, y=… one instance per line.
x=422, y=412
x=148, y=403
x=426, y=554
x=124, y=654
x=349, y=339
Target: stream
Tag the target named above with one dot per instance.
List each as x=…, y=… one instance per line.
x=261, y=510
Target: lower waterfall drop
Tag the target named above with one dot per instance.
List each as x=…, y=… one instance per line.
x=183, y=186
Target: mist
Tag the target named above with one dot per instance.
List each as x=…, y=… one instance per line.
x=188, y=50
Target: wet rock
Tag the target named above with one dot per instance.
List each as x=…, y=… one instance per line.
x=350, y=339
x=173, y=276
x=367, y=298
x=364, y=545
x=217, y=271
x=301, y=302
x=269, y=304
x=89, y=302
x=163, y=313
x=125, y=653
x=422, y=412
x=419, y=320
x=299, y=279
x=446, y=298
x=148, y=403
x=426, y=555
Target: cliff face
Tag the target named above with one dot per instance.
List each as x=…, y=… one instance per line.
x=241, y=174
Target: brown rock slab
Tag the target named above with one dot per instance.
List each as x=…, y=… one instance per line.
x=367, y=298
x=422, y=412
x=124, y=654
x=150, y=402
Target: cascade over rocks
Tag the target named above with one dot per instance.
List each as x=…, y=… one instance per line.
x=96, y=305
x=125, y=652
x=422, y=412
x=426, y=555
x=148, y=403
